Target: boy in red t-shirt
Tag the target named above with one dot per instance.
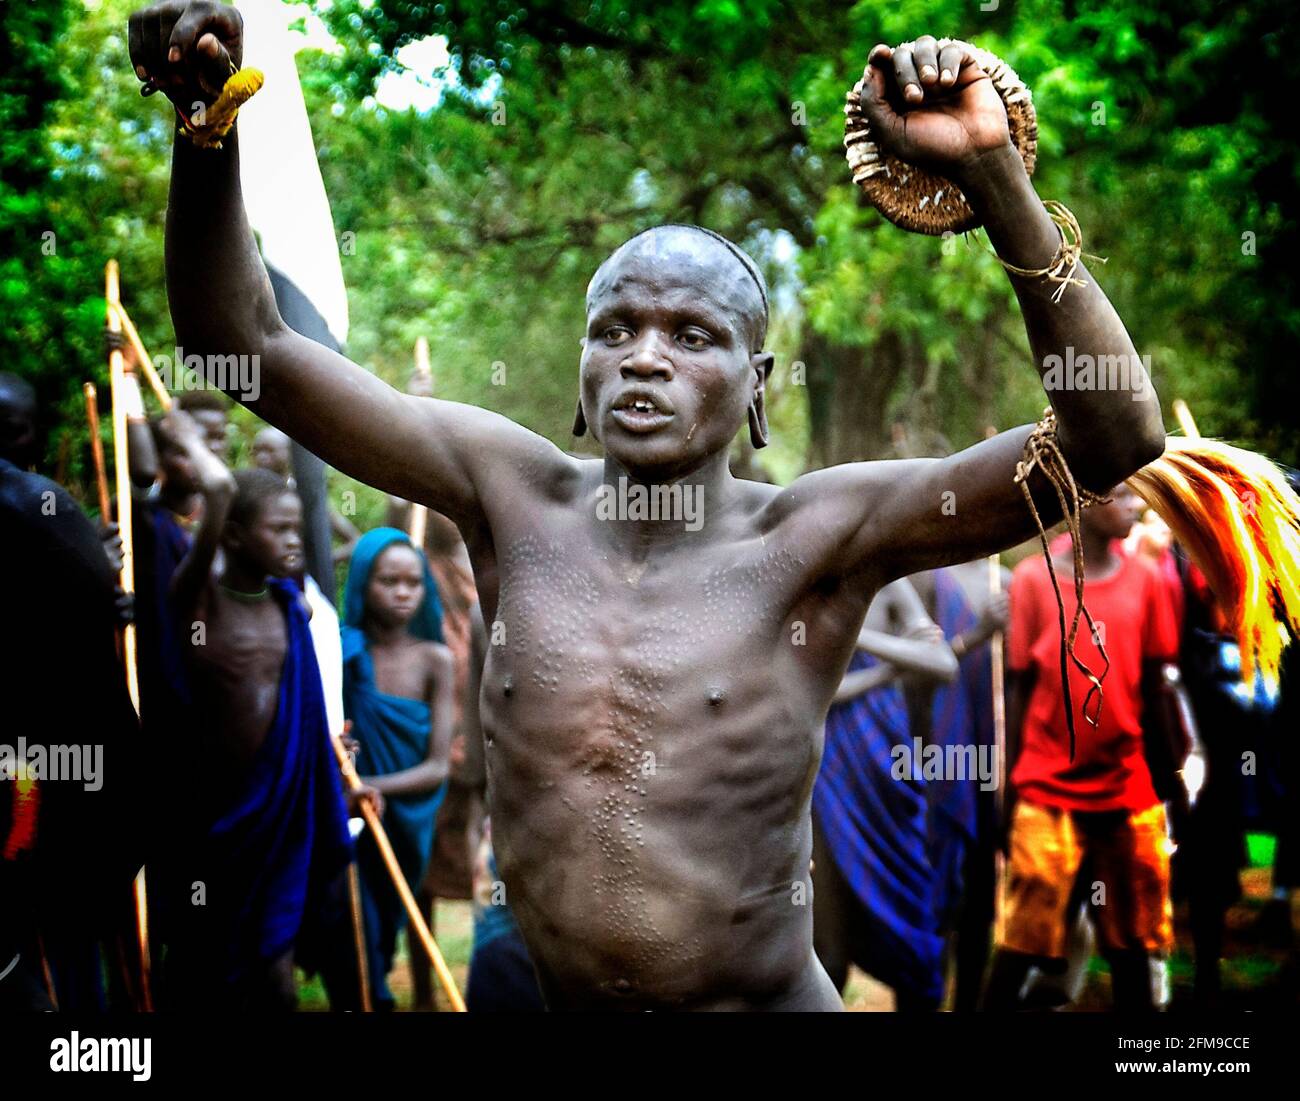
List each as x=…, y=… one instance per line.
x=1095, y=820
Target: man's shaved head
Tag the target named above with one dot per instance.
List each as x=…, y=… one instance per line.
x=672, y=362
x=687, y=245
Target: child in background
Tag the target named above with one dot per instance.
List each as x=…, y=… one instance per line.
x=398, y=692
x=266, y=827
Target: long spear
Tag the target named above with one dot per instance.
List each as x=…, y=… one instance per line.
x=122, y=475
x=399, y=881
x=419, y=520
x=358, y=924
x=1183, y=414
x=143, y=357
x=997, y=675
x=996, y=658
x=359, y=936
x=97, y=449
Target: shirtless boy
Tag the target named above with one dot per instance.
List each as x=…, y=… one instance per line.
x=264, y=829
x=655, y=689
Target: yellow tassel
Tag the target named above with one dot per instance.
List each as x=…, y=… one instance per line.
x=239, y=88
x=1239, y=520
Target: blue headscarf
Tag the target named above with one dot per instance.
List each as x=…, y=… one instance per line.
x=427, y=622
x=393, y=732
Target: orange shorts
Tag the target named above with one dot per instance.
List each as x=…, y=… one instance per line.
x=1125, y=862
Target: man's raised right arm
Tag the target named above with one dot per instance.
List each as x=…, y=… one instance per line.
x=423, y=449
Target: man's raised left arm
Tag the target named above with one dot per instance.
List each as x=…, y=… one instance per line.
x=901, y=517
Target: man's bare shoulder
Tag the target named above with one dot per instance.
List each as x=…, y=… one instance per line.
x=508, y=452
x=820, y=495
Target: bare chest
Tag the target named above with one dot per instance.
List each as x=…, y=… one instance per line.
x=401, y=671
x=584, y=645
x=245, y=641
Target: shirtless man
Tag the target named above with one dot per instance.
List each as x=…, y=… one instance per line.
x=655, y=689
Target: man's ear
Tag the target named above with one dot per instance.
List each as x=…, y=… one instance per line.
x=762, y=364
x=580, y=418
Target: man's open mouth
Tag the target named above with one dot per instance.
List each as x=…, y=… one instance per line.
x=641, y=409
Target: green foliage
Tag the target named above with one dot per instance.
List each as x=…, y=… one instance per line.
x=622, y=114
x=567, y=126
x=89, y=168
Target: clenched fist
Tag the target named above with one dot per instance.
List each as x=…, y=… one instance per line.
x=930, y=104
x=186, y=50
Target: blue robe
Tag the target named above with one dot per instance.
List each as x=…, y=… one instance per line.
x=875, y=827
x=962, y=716
x=393, y=732
x=274, y=848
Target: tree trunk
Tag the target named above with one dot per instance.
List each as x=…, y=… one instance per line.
x=848, y=395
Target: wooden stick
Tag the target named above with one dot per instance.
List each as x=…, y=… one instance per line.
x=46, y=973
x=146, y=361
x=997, y=676
x=418, y=525
x=418, y=522
x=359, y=936
x=1185, y=421
x=122, y=476
x=422, y=365
x=1000, y=748
x=97, y=451
x=358, y=925
x=399, y=881
x=999, y=697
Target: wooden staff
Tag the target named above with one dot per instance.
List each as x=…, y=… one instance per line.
x=399, y=881
x=358, y=924
x=122, y=476
x=996, y=657
x=419, y=520
x=418, y=525
x=46, y=974
x=997, y=674
x=359, y=935
x=999, y=697
x=1185, y=421
x=97, y=450
x=146, y=361
x=423, y=367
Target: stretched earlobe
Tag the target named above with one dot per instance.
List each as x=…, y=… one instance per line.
x=579, y=421
x=757, y=424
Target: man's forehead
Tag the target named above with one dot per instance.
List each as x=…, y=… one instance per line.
x=674, y=259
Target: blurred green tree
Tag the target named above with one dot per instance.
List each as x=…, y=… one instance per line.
x=564, y=127
x=1162, y=126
